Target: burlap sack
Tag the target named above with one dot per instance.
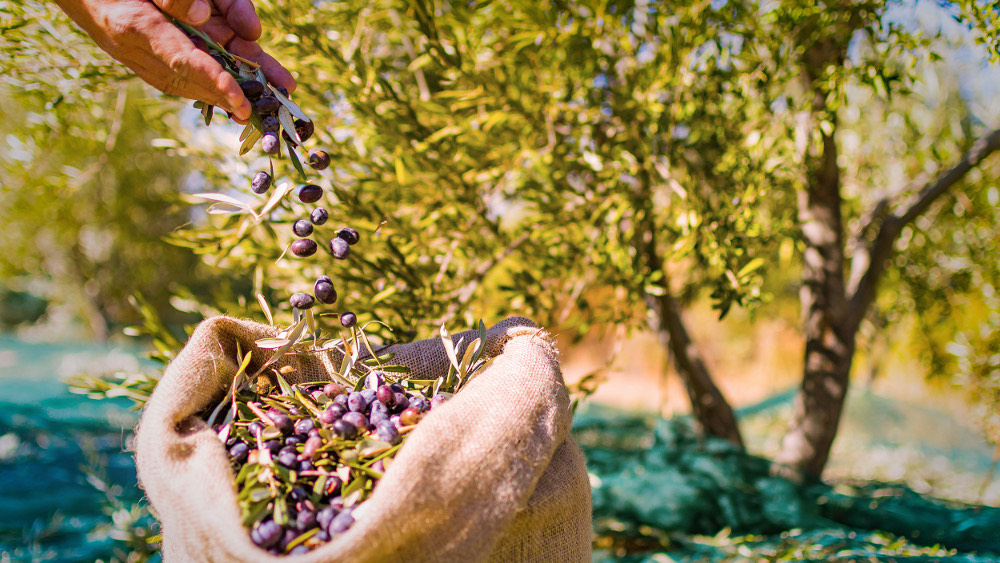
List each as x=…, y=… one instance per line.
x=489, y=475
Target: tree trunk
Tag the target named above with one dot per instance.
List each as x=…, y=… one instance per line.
x=829, y=341
x=708, y=406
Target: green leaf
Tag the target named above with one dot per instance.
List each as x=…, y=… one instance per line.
x=751, y=267
x=246, y=131
x=290, y=105
x=288, y=124
x=449, y=347
x=283, y=385
x=250, y=141
x=295, y=161
x=265, y=308
x=280, y=510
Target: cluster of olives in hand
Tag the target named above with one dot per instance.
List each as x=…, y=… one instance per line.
x=312, y=439
x=266, y=106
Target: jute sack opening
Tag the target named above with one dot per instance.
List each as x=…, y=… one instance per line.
x=490, y=475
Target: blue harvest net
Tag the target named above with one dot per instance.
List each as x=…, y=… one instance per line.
x=65, y=474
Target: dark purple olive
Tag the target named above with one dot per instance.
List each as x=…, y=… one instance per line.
x=385, y=395
x=325, y=515
x=387, y=432
x=303, y=130
x=288, y=459
x=270, y=124
x=356, y=402
x=265, y=105
x=369, y=395
x=310, y=193
x=239, y=452
x=304, y=425
x=402, y=401
x=302, y=228
x=341, y=522
x=319, y=160
x=345, y=429
x=329, y=415
x=267, y=533
x=319, y=216
x=420, y=403
x=301, y=301
x=350, y=235
x=270, y=144
x=377, y=415
x=357, y=419
x=252, y=89
x=255, y=427
x=260, y=183
x=339, y=248
x=333, y=488
x=299, y=493
x=305, y=520
x=348, y=319
x=282, y=421
x=324, y=292
x=304, y=247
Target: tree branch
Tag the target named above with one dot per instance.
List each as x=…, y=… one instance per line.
x=873, y=259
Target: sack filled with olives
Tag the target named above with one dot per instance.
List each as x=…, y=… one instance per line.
x=350, y=453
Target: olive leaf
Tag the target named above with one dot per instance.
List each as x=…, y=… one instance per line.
x=292, y=107
x=225, y=200
x=285, y=118
x=295, y=160
x=279, y=192
x=265, y=308
x=246, y=131
x=250, y=141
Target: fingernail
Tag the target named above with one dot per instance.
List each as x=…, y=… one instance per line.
x=198, y=12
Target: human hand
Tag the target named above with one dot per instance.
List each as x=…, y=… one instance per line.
x=140, y=36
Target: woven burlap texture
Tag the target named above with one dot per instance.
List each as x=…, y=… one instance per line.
x=491, y=475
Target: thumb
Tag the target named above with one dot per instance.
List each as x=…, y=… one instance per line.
x=191, y=12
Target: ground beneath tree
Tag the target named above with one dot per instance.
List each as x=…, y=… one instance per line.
x=663, y=493
x=660, y=492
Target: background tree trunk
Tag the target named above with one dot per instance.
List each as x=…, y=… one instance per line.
x=829, y=342
x=708, y=406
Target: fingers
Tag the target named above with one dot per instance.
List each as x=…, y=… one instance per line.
x=276, y=74
x=193, y=12
x=218, y=29
x=178, y=68
x=241, y=17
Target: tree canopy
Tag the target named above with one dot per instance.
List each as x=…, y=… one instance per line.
x=594, y=164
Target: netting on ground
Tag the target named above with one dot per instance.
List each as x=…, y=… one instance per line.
x=660, y=492
x=657, y=481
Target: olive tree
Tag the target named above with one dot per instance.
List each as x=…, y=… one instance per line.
x=593, y=164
